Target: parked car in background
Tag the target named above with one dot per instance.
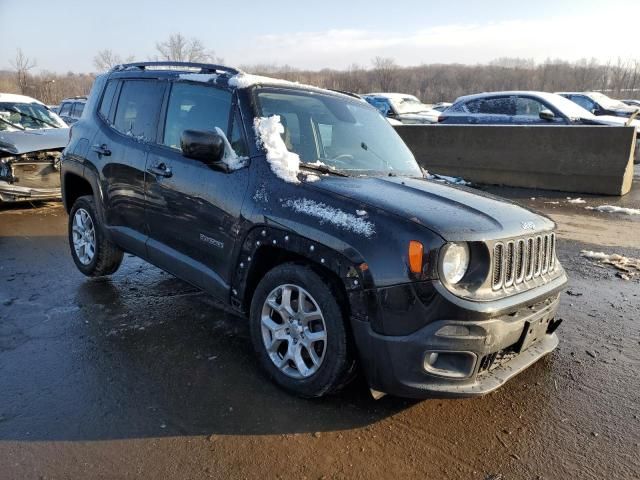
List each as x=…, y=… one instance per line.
x=70, y=109
x=599, y=104
x=403, y=108
x=31, y=140
x=632, y=103
x=526, y=108
x=303, y=210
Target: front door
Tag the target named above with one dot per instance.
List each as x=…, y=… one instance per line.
x=193, y=210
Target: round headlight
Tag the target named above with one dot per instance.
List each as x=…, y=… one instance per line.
x=455, y=261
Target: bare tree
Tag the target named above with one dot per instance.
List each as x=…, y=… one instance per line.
x=178, y=48
x=106, y=60
x=384, y=69
x=22, y=65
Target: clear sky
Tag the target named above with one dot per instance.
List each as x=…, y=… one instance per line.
x=64, y=35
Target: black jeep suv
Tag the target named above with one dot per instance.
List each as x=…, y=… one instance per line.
x=302, y=209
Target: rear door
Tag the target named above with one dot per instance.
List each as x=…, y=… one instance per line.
x=129, y=114
x=193, y=210
x=493, y=110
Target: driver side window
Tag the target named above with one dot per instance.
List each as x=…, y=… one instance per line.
x=195, y=107
x=529, y=107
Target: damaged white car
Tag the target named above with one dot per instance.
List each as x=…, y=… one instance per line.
x=32, y=138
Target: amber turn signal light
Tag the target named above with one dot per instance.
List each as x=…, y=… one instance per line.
x=416, y=251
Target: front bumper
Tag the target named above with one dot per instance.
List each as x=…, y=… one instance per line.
x=13, y=193
x=490, y=352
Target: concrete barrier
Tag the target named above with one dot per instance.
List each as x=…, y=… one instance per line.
x=584, y=159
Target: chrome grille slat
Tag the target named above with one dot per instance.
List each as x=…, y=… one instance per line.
x=508, y=265
x=497, y=265
x=521, y=260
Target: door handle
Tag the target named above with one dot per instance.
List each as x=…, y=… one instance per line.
x=161, y=170
x=101, y=149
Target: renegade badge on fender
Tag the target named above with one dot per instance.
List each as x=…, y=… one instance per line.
x=302, y=209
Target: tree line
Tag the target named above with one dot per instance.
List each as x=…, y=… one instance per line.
x=429, y=82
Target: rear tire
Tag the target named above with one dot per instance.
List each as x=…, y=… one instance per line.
x=304, y=350
x=92, y=252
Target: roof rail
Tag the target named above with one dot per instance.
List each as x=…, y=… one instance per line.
x=204, y=67
x=346, y=92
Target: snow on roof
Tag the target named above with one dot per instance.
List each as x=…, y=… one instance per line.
x=393, y=95
x=243, y=80
x=15, y=98
x=199, y=77
x=326, y=213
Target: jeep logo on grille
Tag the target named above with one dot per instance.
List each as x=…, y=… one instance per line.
x=528, y=225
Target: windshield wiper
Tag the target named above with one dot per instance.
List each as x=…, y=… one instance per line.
x=15, y=110
x=14, y=125
x=322, y=169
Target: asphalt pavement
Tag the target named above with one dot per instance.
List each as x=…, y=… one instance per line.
x=143, y=376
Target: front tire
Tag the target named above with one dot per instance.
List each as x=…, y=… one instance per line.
x=298, y=331
x=92, y=252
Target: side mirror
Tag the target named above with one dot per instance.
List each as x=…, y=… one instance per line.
x=205, y=146
x=547, y=115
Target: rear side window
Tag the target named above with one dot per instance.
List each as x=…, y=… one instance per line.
x=138, y=108
x=195, y=107
x=65, y=109
x=493, y=106
x=107, y=99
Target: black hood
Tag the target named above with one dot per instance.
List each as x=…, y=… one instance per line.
x=454, y=213
x=19, y=142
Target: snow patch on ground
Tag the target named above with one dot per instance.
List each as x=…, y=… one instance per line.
x=615, y=209
x=628, y=267
x=337, y=217
x=575, y=200
x=230, y=157
x=284, y=164
x=199, y=77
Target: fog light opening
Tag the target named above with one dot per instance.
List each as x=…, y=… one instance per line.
x=450, y=364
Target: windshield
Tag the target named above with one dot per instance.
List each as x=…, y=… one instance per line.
x=27, y=116
x=408, y=104
x=346, y=135
x=607, y=102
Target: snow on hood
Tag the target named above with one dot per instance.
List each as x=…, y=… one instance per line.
x=26, y=141
x=284, y=164
x=454, y=213
x=335, y=216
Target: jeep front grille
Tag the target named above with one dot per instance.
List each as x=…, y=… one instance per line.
x=517, y=261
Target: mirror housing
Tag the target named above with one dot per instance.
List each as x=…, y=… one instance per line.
x=547, y=115
x=205, y=146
